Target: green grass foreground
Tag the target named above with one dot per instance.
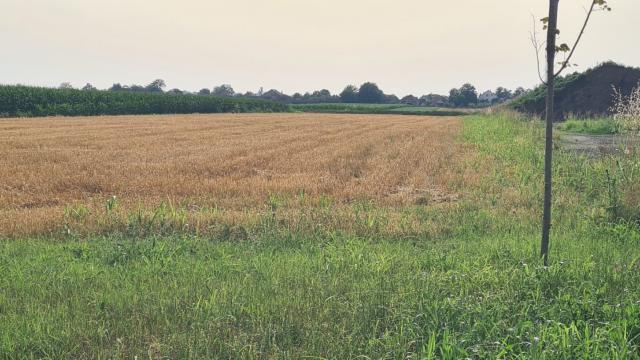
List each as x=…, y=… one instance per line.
x=476, y=291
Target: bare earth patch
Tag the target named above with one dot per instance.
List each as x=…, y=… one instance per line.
x=233, y=163
x=596, y=145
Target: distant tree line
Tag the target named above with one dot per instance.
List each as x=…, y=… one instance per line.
x=16, y=100
x=367, y=93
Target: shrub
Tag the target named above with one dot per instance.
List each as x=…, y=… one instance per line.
x=626, y=110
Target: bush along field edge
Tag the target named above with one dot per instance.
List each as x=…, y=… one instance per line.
x=26, y=101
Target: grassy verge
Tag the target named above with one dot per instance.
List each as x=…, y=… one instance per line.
x=591, y=127
x=398, y=109
x=477, y=290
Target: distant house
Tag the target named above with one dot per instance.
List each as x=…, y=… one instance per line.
x=487, y=97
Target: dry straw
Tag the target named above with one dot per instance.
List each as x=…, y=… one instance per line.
x=223, y=167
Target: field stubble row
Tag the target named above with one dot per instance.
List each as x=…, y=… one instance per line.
x=62, y=174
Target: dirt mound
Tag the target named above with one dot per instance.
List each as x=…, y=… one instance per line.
x=583, y=94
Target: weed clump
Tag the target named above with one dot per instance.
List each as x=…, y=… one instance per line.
x=627, y=110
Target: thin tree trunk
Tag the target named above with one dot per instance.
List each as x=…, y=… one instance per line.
x=548, y=155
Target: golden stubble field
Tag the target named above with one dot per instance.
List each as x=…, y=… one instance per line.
x=229, y=166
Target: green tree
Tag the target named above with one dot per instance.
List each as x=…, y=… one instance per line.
x=519, y=92
x=370, y=93
x=155, y=86
x=89, y=87
x=410, y=100
x=465, y=96
x=454, y=97
x=551, y=25
x=391, y=99
x=224, y=90
x=349, y=94
x=503, y=94
x=117, y=87
x=469, y=94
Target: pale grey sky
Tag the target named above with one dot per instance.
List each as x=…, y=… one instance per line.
x=406, y=46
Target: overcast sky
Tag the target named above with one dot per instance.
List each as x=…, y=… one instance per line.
x=406, y=46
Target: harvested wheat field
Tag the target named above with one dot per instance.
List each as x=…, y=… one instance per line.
x=228, y=165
